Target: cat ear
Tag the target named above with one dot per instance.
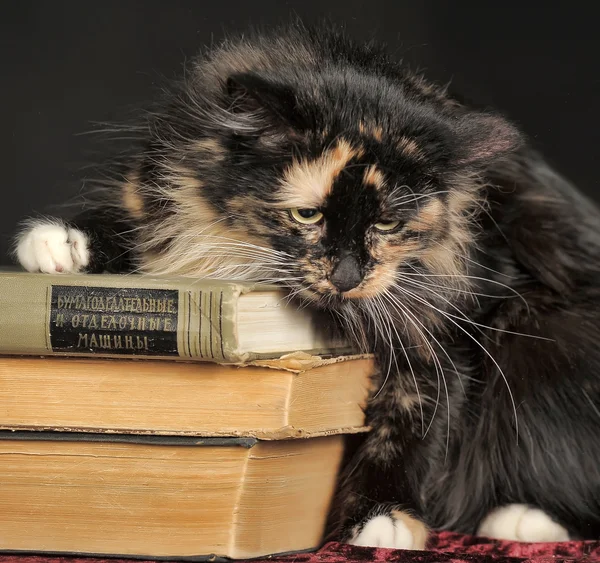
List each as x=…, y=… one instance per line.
x=485, y=138
x=252, y=94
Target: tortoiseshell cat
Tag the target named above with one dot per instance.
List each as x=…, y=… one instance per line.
x=430, y=229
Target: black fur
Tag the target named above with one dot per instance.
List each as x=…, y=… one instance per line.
x=541, y=238
x=511, y=413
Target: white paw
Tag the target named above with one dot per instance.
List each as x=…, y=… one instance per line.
x=51, y=247
x=384, y=531
x=519, y=522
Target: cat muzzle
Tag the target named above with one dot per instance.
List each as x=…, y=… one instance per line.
x=347, y=274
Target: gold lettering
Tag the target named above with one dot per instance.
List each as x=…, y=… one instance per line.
x=168, y=325
x=171, y=306
x=75, y=321
x=82, y=342
x=105, y=341
x=63, y=301
x=93, y=341
x=60, y=320
x=129, y=342
x=108, y=322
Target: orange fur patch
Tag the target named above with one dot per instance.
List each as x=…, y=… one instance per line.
x=442, y=261
x=408, y=401
x=132, y=200
x=211, y=148
x=430, y=217
x=374, y=177
x=447, y=256
x=418, y=530
x=307, y=183
x=200, y=243
x=409, y=148
x=371, y=130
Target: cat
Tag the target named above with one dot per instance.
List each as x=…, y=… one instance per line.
x=431, y=230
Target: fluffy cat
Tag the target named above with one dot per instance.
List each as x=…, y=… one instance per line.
x=431, y=230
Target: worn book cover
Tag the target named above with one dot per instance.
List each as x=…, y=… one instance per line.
x=136, y=315
x=297, y=396
x=164, y=496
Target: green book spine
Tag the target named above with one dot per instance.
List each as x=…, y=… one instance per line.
x=120, y=315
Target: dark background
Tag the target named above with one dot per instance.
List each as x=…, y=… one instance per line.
x=66, y=64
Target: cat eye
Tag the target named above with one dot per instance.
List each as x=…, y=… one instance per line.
x=386, y=225
x=306, y=216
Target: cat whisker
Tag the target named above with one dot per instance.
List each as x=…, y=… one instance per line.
x=255, y=249
x=439, y=368
x=227, y=241
x=451, y=289
x=291, y=295
x=408, y=199
x=410, y=367
x=437, y=342
x=466, y=319
x=352, y=320
x=209, y=255
x=475, y=262
x=466, y=277
x=483, y=207
x=483, y=348
x=384, y=324
x=348, y=324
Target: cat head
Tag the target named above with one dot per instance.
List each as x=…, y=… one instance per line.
x=338, y=182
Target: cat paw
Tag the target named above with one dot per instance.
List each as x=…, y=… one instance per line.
x=397, y=530
x=518, y=522
x=51, y=247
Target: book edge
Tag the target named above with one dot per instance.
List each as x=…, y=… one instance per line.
x=284, y=433
x=129, y=438
x=192, y=558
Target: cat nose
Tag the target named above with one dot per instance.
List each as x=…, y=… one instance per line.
x=346, y=275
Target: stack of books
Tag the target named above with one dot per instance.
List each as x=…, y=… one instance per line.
x=155, y=417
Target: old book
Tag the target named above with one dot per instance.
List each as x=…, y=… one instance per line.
x=116, y=315
x=164, y=497
x=297, y=396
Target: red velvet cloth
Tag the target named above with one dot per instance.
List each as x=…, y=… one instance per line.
x=442, y=548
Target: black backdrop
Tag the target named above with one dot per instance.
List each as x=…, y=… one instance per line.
x=65, y=64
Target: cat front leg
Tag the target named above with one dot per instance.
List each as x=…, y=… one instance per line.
x=51, y=246
x=95, y=241
x=519, y=522
x=378, y=508
x=394, y=529
x=378, y=501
